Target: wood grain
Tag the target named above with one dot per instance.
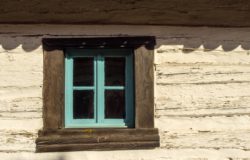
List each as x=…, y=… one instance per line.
x=206, y=139
x=17, y=140
x=160, y=12
x=53, y=89
x=144, y=88
x=96, y=139
x=99, y=131
x=98, y=146
x=203, y=100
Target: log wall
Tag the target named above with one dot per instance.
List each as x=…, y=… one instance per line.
x=202, y=86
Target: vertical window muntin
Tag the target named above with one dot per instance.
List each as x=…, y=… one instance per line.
x=99, y=87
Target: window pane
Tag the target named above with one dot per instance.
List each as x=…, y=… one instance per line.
x=114, y=104
x=83, y=71
x=114, y=71
x=83, y=104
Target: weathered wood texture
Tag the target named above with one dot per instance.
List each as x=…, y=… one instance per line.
x=144, y=88
x=160, y=12
x=20, y=93
x=111, y=146
x=96, y=139
x=208, y=84
x=202, y=97
x=216, y=140
x=17, y=141
x=53, y=89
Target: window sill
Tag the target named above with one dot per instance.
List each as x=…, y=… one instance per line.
x=96, y=139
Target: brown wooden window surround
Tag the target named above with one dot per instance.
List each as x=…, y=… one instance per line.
x=55, y=137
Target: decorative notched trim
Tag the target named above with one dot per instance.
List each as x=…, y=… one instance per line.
x=100, y=42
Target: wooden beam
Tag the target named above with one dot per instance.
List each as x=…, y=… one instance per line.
x=231, y=13
x=98, y=146
x=144, y=88
x=53, y=89
x=97, y=139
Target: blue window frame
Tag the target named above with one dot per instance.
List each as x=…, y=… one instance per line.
x=99, y=88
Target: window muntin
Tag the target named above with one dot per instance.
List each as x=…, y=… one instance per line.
x=102, y=80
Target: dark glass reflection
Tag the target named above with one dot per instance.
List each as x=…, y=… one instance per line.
x=83, y=104
x=114, y=71
x=84, y=71
x=115, y=104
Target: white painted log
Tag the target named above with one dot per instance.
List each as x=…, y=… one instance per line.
x=200, y=57
x=21, y=104
x=20, y=69
x=16, y=140
x=199, y=74
x=156, y=154
x=203, y=99
x=207, y=140
x=203, y=124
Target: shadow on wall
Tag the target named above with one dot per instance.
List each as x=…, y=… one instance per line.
x=192, y=44
x=60, y=158
x=27, y=43
x=48, y=158
x=32, y=42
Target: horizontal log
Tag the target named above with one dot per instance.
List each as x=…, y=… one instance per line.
x=161, y=12
x=20, y=79
x=206, y=140
x=202, y=99
x=21, y=115
x=17, y=140
x=196, y=124
x=21, y=124
x=198, y=74
x=95, y=139
x=20, y=60
x=99, y=131
x=168, y=57
x=153, y=154
x=20, y=70
x=22, y=104
x=97, y=146
x=10, y=93
x=175, y=38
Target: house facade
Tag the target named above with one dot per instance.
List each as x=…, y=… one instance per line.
x=191, y=88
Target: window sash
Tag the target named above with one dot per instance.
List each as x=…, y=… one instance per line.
x=99, y=88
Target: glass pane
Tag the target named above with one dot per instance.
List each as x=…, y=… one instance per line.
x=84, y=71
x=83, y=104
x=115, y=104
x=114, y=71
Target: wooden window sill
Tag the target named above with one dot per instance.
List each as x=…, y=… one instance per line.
x=96, y=139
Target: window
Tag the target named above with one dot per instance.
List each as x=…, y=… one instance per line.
x=98, y=94
x=99, y=88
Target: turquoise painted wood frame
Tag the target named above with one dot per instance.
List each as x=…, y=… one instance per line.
x=99, y=121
